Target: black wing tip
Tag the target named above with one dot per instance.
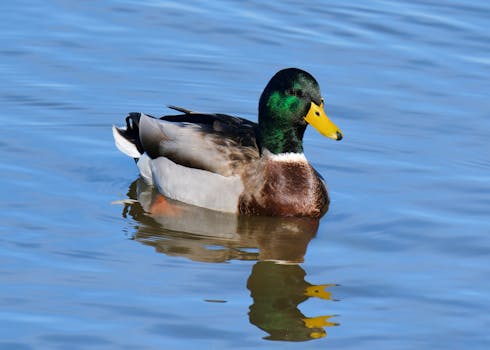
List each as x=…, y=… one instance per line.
x=180, y=109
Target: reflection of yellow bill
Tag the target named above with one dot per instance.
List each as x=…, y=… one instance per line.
x=318, y=335
x=319, y=322
x=319, y=291
x=318, y=119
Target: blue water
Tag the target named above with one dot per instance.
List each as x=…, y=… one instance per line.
x=404, y=250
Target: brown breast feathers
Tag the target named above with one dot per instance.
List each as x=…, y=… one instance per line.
x=283, y=188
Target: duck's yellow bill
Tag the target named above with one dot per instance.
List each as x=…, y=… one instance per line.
x=318, y=119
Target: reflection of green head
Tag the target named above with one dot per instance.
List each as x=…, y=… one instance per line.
x=277, y=290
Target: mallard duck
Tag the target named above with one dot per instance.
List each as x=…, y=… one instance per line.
x=234, y=165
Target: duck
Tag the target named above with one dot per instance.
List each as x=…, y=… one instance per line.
x=234, y=165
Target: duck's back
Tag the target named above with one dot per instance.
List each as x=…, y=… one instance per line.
x=214, y=142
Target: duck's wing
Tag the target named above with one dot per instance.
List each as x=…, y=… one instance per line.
x=215, y=142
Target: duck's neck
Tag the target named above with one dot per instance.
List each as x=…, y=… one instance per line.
x=281, y=138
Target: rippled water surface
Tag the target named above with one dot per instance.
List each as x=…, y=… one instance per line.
x=401, y=260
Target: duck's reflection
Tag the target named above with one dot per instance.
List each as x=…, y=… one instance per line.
x=277, y=283
x=277, y=289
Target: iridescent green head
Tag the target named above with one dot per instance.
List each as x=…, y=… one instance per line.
x=290, y=101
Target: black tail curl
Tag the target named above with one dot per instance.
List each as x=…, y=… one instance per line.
x=132, y=132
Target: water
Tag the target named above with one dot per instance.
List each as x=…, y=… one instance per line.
x=401, y=259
